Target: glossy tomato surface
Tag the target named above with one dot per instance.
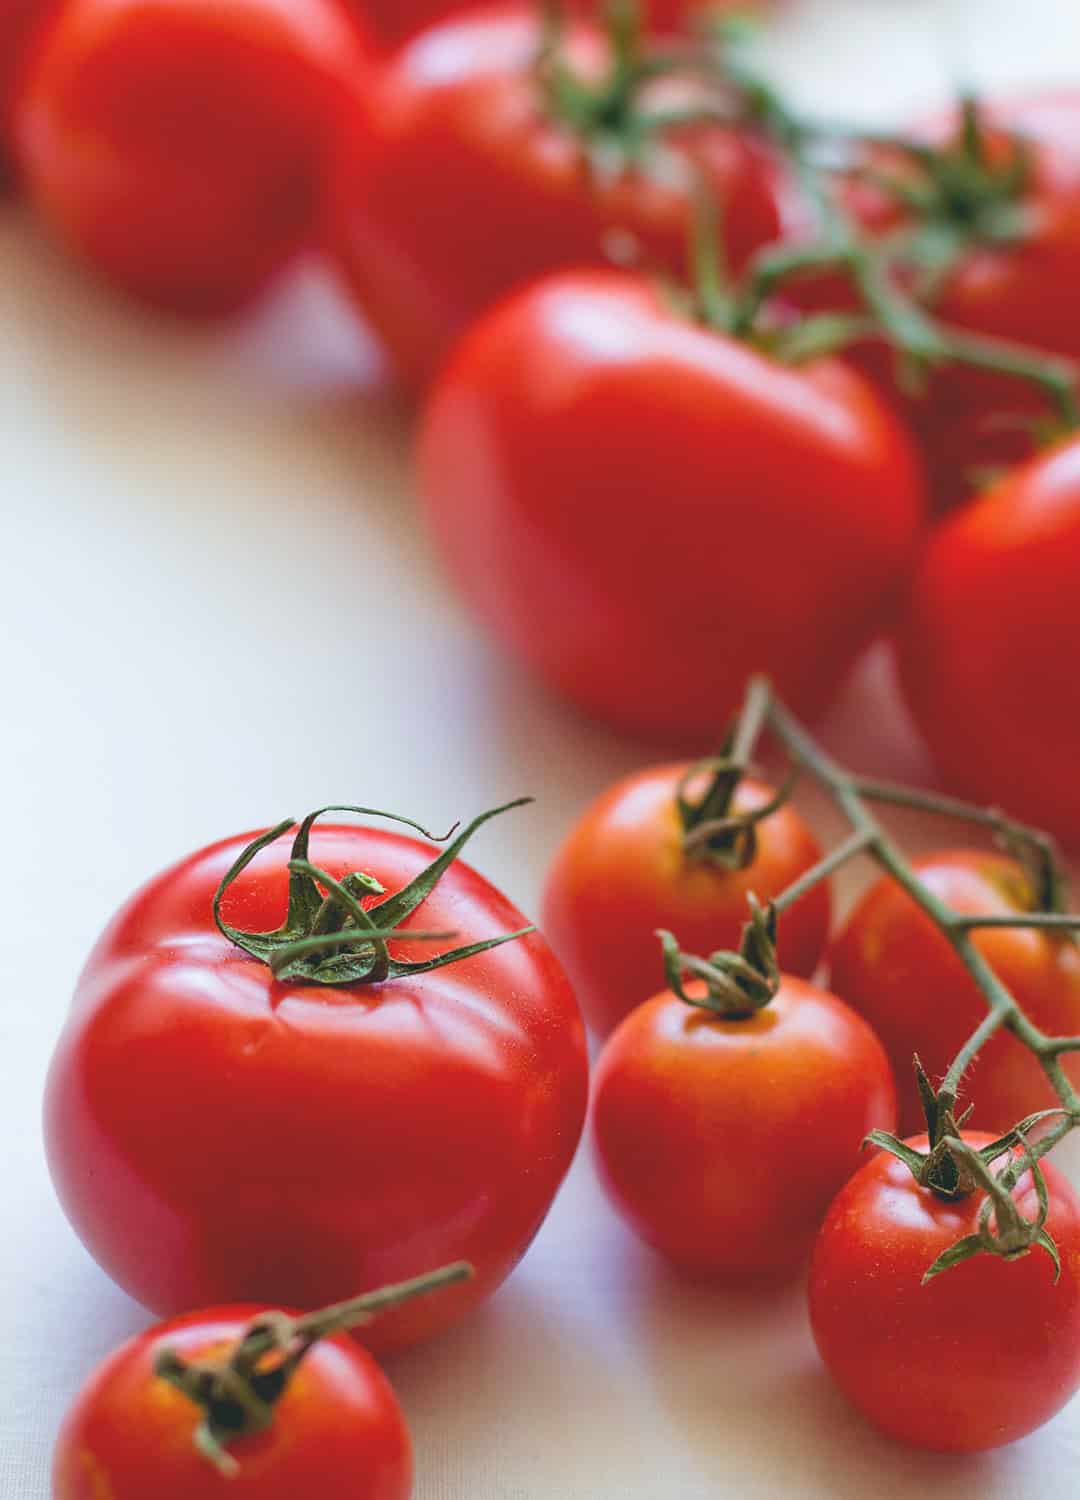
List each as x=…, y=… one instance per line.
x=722, y=1141
x=337, y=1431
x=459, y=183
x=648, y=511
x=181, y=147
x=215, y=1133
x=892, y=965
x=981, y=1355
x=622, y=872
x=986, y=647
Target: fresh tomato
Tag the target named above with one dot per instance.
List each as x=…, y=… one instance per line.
x=182, y=148
x=892, y=965
x=20, y=24
x=632, y=864
x=648, y=511
x=979, y=1356
x=987, y=646
x=468, y=173
x=721, y=1141
x=215, y=1132
x=337, y=1430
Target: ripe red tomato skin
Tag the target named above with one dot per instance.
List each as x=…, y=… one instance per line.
x=621, y=873
x=213, y=1133
x=722, y=1142
x=979, y=1357
x=648, y=511
x=338, y=1430
x=993, y=619
x=456, y=186
x=890, y=963
x=183, y=150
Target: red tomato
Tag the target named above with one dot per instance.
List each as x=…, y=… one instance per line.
x=982, y=1354
x=215, y=1132
x=461, y=182
x=892, y=965
x=19, y=25
x=993, y=626
x=623, y=872
x=181, y=147
x=337, y=1431
x=649, y=511
x=721, y=1141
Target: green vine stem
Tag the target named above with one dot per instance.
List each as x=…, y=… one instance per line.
x=237, y=1393
x=951, y=1167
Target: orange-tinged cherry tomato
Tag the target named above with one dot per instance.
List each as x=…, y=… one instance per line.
x=649, y=511
x=892, y=964
x=991, y=634
x=461, y=181
x=624, y=871
x=982, y=1354
x=182, y=148
x=338, y=1430
x=721, y=1141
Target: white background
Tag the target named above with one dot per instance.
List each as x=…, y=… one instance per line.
x=217, y=610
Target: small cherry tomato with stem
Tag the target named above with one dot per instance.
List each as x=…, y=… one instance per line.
x=679, y=847
x=281, y=1406
x=271, y=1089
x=728, y=1110
x=934, y=1339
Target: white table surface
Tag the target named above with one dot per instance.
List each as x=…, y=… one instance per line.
x=218, y=609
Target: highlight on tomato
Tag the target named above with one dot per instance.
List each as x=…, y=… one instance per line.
x=948, y=1319
x=729, y=1109
x=892, y=965
x=991, y=629
x=647, y=509
x=680, y=847
x=495, y=148
x=182, y=149
x=277, y=1405
x=280, y=1084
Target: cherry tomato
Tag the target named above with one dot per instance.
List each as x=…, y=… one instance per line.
x=462, y=180
x=20, y=24
x=721, y=1141
x=649, y=511
x=182, y=148
x=981, y=1355
x=892, y=965
x=994, y=621
x=337, y=1430
x=213, y=1131
x=625, y=870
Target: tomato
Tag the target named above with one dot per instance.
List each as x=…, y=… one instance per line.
x=982, y=1354
x=892, y=965
x=181, y=147
x=994, y=619
x=19, y=26
x=649, y=511
x=625, y=869
x=397, y=19
x=215, y=1132
x=461, y=180
x=338, y=1429
x=722, y=1141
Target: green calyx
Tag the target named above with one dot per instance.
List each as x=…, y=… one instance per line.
x=328, y=937
x=737, y=984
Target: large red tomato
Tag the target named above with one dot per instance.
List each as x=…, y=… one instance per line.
x=722, y=1140
x=979, y=1356
x=631, y=865
x=890, y=962
x=648, y=511
x=216, y=1132
x=337, y=1430
x=988, y=645
x=463, y=179
x=182, y=148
